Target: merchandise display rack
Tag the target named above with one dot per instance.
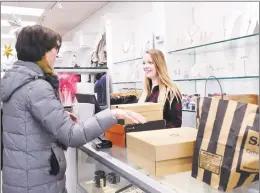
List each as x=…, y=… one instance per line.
x=83, y=70
x=88, y=70
x=218, y=46
x=209, y=47
x=201, y=51
x=246, y=46
x=193, y=52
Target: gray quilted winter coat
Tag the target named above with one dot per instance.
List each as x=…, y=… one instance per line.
x=33, y=121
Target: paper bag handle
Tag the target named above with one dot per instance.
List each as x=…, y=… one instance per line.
x=218, y=83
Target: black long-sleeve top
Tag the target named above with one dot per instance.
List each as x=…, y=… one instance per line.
x=173, y=115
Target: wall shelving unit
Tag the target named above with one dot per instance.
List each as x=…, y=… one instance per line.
x=236, y=51
x=234, y=61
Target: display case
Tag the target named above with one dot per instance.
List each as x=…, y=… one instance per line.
x=134, y=179
x=114, y=164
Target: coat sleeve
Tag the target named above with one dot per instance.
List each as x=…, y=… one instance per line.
x=44, y=107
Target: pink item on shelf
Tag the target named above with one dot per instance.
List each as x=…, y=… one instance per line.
x=68, y=88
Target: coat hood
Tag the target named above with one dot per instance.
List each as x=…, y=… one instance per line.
x=21, y=74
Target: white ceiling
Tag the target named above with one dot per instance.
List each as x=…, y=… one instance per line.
x=59, y=19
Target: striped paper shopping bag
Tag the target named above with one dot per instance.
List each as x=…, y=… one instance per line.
x=226, y=152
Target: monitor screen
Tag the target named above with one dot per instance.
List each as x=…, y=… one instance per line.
x=88, y=98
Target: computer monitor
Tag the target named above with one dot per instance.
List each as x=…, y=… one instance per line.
x=88, y=98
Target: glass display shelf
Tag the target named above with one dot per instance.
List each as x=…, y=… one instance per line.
x=130, y=82
x=220, y=78
x=130, y=60
x=117, y=158
x=239, y=42
x=81, y=69
x=195, y=79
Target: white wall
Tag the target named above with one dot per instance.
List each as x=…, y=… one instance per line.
x=210, y=17
x=135, y=23
x=124, y=22
x=96, y=22
x=213, y=21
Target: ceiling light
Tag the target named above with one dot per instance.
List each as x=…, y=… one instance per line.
x=59, y=5
x=24, y=23
x=21, y=10
x=7, y=36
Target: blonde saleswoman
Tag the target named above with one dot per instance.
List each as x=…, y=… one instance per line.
x=159, y=88
x=36, y=128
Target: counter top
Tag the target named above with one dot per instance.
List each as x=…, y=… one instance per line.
x=116, y=159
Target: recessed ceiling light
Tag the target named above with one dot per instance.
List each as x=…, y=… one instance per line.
x=59, y=5
x=7, y=36
x=21, y=10
x=24, y=23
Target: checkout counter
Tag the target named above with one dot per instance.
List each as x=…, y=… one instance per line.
x=133, y=179
x=109, y=170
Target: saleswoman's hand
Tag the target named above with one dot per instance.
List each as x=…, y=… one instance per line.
x=127, y=114
x=73, y=117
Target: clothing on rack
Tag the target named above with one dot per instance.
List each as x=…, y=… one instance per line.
x=125, y=97
x=123, y=100
x=99, y=56
x=100, y=89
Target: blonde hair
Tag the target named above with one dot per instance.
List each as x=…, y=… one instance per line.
x=167, y=88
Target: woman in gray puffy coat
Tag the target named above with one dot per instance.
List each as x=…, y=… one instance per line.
x=36, y=128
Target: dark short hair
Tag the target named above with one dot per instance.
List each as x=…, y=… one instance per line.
x=34, y=41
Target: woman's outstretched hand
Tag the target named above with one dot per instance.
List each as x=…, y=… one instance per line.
x=73, y=117
x=127, y=114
